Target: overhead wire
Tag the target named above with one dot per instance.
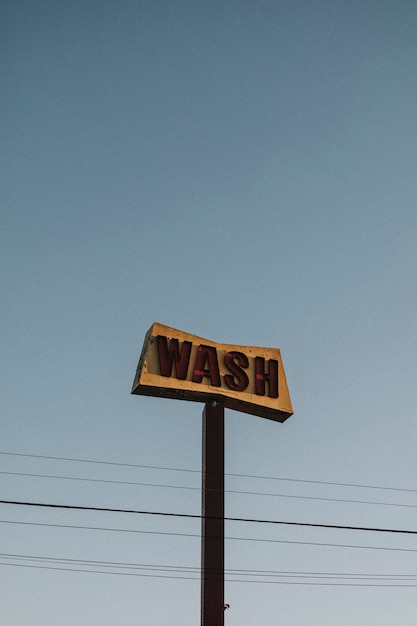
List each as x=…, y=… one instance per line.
x=235, y=519
x=195, y=471
x=185, y=487
x=227, y=580
x=198, y=536
x=195, y=516
x=197, y=569
x=236, y=576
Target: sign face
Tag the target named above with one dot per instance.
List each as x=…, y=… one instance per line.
x=174, y=364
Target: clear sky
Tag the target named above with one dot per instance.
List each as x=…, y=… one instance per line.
x=244, y=171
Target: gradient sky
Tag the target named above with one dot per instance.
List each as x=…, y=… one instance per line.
x=246, y=172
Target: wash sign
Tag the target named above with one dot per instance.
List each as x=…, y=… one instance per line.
x=175, y=364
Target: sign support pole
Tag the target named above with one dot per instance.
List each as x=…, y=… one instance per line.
x=212, y=523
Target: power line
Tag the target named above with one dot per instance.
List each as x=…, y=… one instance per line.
x=101, y=480
x=198, y=536
x=100, y=528
x=195, y=471
x=91, y=571
x=197, y=578
x=196, y=569
x=194, y=516
x=98, y=462
x=185, y=487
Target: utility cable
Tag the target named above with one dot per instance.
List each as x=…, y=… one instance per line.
x=227, y=580
x=194, y=516
x=198, y=536
x=195, y=471
x=197, y=569
x=185, y=487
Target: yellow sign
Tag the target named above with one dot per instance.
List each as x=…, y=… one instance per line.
x=175, y=364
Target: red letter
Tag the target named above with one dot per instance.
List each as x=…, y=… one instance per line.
x=171, y=355
x=207, y=354
x=239, y=381
x=261, y=377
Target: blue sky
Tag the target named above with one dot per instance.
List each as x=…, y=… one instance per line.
x=245, y=172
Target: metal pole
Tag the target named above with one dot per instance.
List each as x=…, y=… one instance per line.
x=212, y=529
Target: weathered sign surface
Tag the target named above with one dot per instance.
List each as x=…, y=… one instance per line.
x=175, y=364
